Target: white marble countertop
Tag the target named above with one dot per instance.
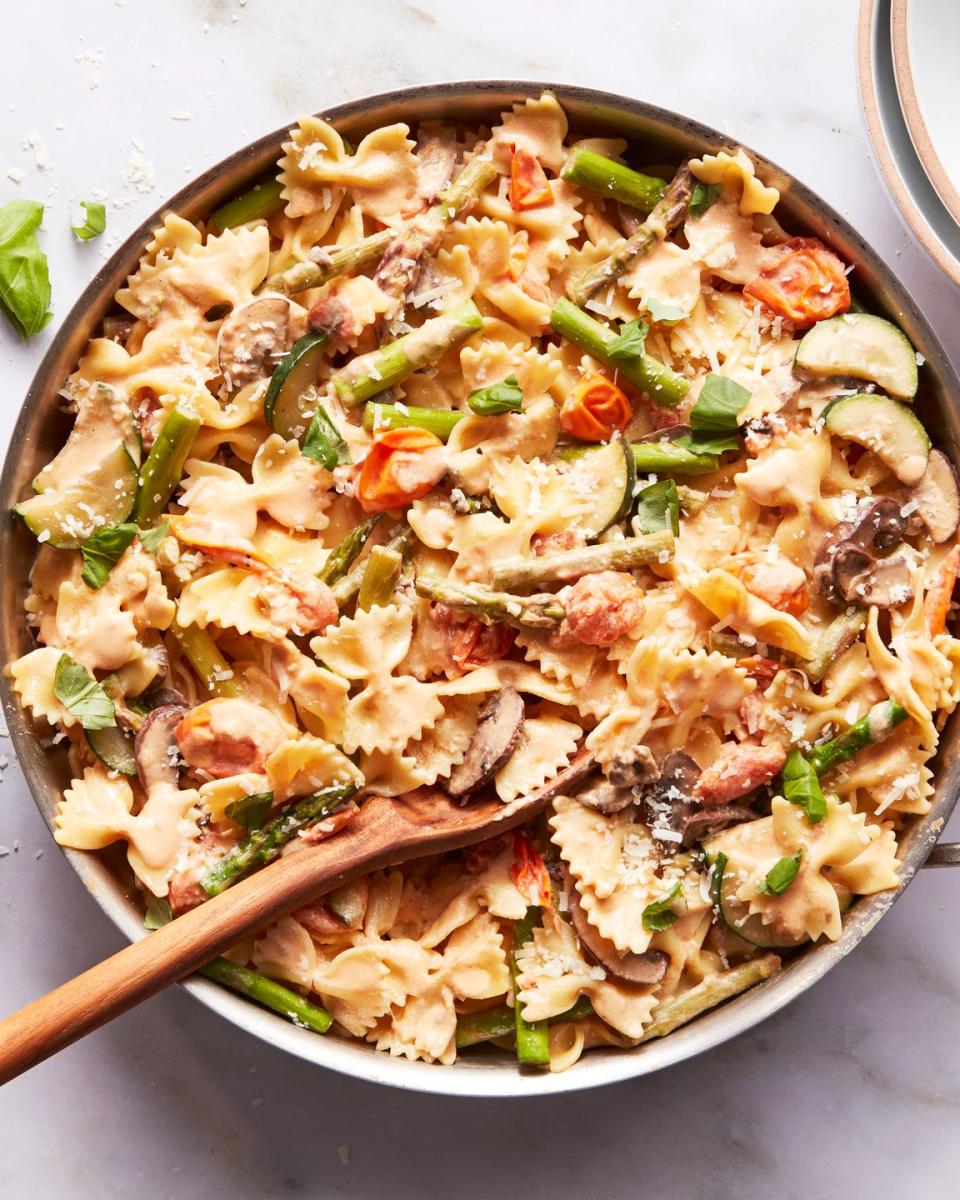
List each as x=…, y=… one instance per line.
x=854, y=1091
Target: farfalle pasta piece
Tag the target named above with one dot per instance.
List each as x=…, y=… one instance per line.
x=96, y=810
x=285, y=951
x=889, y=777
x=306, y=765
x=737, y=172
x=478, y=443
x=32, y=677
x=897, y=680
x=726, y=597
x=216, y=794
x=546, y=746
x=537, y=126
x=490, y=243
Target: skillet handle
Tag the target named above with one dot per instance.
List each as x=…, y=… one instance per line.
x=947, y=854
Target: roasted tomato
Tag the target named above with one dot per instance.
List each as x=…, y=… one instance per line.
x=402, y=466
x=529, y=186
x=803, y=281
x=596, y=411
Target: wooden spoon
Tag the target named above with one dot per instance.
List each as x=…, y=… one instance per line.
x=384, y=833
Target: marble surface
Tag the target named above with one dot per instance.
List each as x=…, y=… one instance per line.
x=853, y=1091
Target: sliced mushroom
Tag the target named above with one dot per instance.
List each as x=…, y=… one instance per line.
x=159, y=697
x=155, y=746
x=635, y=768
x=877, y=526
x=628, y=968
x=252, y=341
x=605, y=797
x=496, y=738
x=712, y=820
x=936, y=498
x=881, y=582
x=670, y=801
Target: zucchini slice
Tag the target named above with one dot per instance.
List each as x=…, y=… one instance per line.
x=70, y=512
x=282, y=405
x=864, y=346
x=114, y=749
x=888, y=428
x=602, y=483
x=737, y=917
x=103, y=419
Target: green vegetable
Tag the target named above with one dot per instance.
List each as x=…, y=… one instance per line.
x=533, y=1039
x=265, y=843
x=659, y=914
x=369, y=374
x=708, y=994
x=703, y=196
x=24, y=276
x=81, y=695
x=528, y=612
x=841, y=633
x=500, y=1022
x=658, y=507
x=801, y=787
x=662, y=384
x=209, y=664
x=323, y=442
x=717, y=869
x=876, y=726
x=103, y=551
x=588, y=169
x=666, y=313
x=150, y=539
x=864, y=346
x=114, y=748
x=158, y=913
x=704, y=445
x=380, y=575
x=95, y=223
x=441, y=422
x=630, y=342
x=781, y=875
x=283, y=405
x=268, y=993
x=736, y=915
x=160, y=474
x=503, y=397
x=251, y=811
x=889, y=428
x=625, y=555
x=260, y=201
x=342, y=556
x=718, y=405
x=347, y=587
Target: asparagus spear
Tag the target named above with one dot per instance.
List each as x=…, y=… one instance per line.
x=347, y=586
x=160, y=474
x=262, y=200
x=661, y=222
x=268, y=993
x=500, y=1022
x=438, y=421
x=380, y=575
x=410, y=240
x=842, y=632
x=343, y=555
x=531, y=612
x=876, y=726
x=533, y=1040
x=571, y=564
x=678, y=1010
x=660, y=458
x=202, y=654
x=368, y=374
x=592, y=170
x=265, y=844
x=662, y=384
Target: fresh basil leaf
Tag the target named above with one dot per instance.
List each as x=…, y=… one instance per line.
x=701, y=443
x=659, y=914
x=323, y=442
x=103, y=551
x=718, y=405
x=703, y=196
x=24, y=275
x=630, y=341
x=158, y=913
x=150, y=539
x=95, y=223
x=781, y=875
x=252, y=811
x=80, y=694
x=503, y=397
x=802, y=787
x=716, y=878
x=665, y=312
x=658, y=507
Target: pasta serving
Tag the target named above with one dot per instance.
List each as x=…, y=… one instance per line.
x=478, y=460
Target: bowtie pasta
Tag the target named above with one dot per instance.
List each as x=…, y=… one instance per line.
x=479, y=460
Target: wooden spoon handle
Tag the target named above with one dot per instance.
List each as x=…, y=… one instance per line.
x=147, y=966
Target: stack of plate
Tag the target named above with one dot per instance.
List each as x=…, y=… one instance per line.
x=909, y=54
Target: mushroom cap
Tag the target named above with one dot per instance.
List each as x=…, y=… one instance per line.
x=253, y=339
x=937, y=497
x=155, y=746
x=496, y=737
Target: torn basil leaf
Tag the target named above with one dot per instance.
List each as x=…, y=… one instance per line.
x=781, y=875
x=703, y=196
x=95, y=223
x=660, y=311
x=718, y=406
x=102, y=551
x=158, y=913
x=150, y=539
x=81, y=695
x=503, y=397
x=802, y=787
x=658, y=507
x=323, y=442
x=630, y=342
x=24, y=274
x=659, y=914
x=251, y=811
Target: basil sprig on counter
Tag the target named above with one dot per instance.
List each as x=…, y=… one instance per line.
x=24, y=275
x=95, y=223
x=81, y=695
